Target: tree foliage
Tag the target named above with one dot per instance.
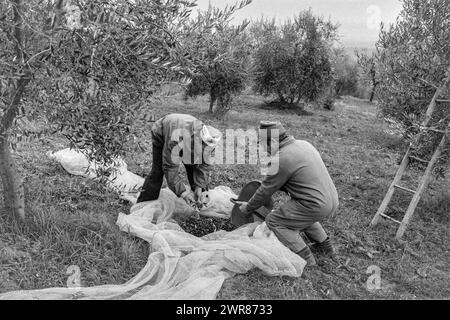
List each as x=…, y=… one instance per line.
x=413, y=59
x=367, y=63
x=102, y=74
x=87, y=68
x=293, y=61
x=345, y=73
x=221, y=53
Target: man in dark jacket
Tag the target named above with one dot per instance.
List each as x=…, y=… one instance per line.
x=180, y=138
x=303, y=175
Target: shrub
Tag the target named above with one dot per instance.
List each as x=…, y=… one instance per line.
x=328, y=103
x=345, y=74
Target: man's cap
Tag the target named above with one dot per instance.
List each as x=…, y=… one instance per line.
x=210, y=136
x=273, y=125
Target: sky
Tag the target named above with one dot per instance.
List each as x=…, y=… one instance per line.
x=359, y=19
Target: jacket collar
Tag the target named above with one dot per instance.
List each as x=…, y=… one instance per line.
x=283, y=143
x=286, y=141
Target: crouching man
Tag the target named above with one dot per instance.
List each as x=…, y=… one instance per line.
x=303, y=175
x=180, y=138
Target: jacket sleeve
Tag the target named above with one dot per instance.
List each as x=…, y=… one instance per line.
x=171, y=169
x=270, y=185
x=201, y=175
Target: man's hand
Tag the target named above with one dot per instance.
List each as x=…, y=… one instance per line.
x=242, y=205
x=189, y=197
x=200, y=196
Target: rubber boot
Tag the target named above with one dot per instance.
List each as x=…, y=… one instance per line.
x=325, y=248
x=307, y=255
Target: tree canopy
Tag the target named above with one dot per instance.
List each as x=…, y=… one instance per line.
x=413, y=59
x=293, y=61
x=222, y=55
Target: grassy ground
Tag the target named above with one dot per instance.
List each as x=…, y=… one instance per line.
x=72, y=221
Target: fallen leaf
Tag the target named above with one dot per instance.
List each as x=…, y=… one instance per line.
x=422, y=272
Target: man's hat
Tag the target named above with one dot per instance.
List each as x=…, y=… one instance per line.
x=273, y=125
x=247, y=192
x=211, y=136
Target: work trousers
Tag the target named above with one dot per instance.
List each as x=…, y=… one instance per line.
x=291, y=218
x=154, y=180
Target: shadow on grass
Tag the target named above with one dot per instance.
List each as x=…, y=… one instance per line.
x=69, y=222
x=296, y=108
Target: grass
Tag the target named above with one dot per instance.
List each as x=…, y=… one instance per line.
x=71, y=221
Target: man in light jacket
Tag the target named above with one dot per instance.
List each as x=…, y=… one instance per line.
x=177, y=139
x=303, y=175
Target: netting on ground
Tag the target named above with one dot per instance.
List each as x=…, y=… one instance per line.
x=180, y=265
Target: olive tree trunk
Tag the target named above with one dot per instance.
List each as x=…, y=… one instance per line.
x=13, y=193
x=212, y=100
x=373, y=91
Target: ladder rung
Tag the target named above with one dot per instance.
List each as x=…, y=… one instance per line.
x=390, y=218
x=418, y=159
x=404, y=189
x=442, y=100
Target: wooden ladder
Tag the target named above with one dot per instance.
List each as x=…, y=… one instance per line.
x=425, y=180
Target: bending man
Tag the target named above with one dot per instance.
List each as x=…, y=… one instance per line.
x=180, y=138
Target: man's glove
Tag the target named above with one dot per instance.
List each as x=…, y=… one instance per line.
x=189, y=197
x=201, y=197
x=198, y=194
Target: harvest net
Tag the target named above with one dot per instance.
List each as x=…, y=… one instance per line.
x=180, y=265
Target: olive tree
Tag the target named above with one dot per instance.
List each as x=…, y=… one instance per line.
x=413, y=59
x=345, y=73
x=87, y=67
x=222, y=55
x=293, y=61
x=367, y=63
